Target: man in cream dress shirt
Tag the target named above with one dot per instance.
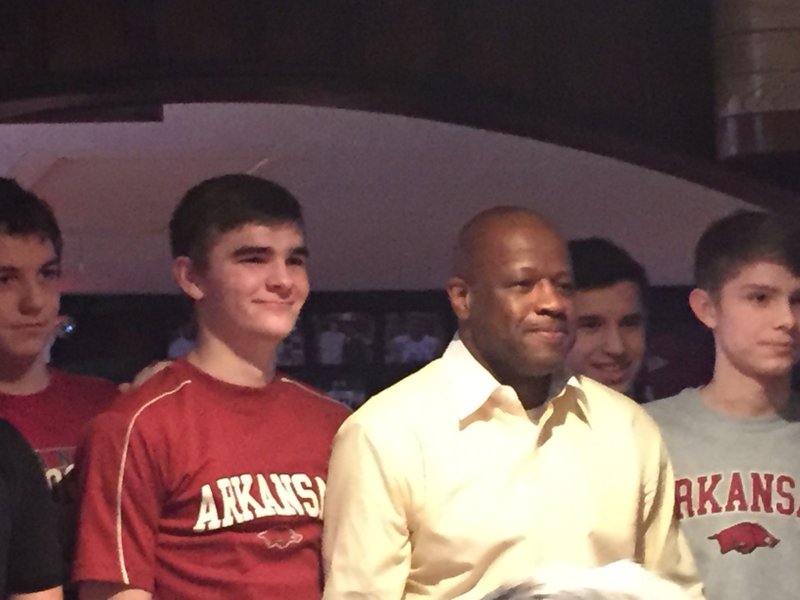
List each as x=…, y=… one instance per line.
x=488, y=462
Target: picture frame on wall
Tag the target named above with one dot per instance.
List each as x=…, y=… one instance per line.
x=344, y=338
x=413, y=337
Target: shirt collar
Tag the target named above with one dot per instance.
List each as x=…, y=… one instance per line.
x=473, y=385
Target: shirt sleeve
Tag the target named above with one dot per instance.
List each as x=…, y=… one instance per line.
x=120, y=493
x=366, y=539
x=665, y=549
x=34, y=554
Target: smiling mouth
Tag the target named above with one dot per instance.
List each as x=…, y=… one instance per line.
x=30, y=326
x=552, y=332
x=783, y=348
x=612, y=366
x=615, y=373
x=284, y=303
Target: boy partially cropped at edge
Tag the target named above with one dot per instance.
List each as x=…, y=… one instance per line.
x=735, y=442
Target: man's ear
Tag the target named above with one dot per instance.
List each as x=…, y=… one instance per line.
x=459, y=295
x=186, y=276
x=704, y=307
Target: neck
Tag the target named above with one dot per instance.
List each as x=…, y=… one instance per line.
x=531, y=391
x=250, y=365
x=23, y=376
x=732, y=393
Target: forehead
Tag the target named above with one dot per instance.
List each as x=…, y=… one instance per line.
x=282, y=235
x=614, y=301
x=519, y=244
x=25, y=250
x=763, y=274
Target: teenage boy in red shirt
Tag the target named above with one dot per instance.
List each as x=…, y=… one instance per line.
x=208, y=480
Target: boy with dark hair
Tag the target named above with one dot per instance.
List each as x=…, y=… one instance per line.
x=735, y=441
x=48, y=406
x=610, y=296
x=208, y=480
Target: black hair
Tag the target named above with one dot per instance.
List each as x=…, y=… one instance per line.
x=224, y=203
x=24, y=213
x=742, y=238
x=599, y=263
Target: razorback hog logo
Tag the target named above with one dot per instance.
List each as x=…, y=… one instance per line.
x=280, y=537
x=744, y=538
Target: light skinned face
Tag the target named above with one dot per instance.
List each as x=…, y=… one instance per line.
x=29, y=295
x=254, y=284
x=514, y=306
x=610, y=335
x=754, y=319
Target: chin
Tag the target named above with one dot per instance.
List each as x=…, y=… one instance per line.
x=276, y=328
x=781, y=372
x=622, y=388
x=276, y=335
x=22, y=355
x=541, y=369
x=27, y=350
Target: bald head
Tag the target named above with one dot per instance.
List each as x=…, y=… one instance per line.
x=511, y=293
x=490, y=226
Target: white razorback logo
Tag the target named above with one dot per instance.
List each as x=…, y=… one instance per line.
x=280, y=537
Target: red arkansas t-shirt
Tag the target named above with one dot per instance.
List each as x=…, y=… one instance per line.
x=196, y=488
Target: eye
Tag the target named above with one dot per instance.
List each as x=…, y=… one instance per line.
x=255, y=259
x=758, y=298
x=51, y=273
x=523, y=285
x=566, y=288
x=297, y=261
x=632, y=322
x=590, y=324
x=5, y=279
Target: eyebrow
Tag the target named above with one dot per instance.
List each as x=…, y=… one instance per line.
x=760, y=287
x=53, y=262
x=591, y=317
x=262, y=250
x=635, y=314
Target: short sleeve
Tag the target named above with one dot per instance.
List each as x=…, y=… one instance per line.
x=120, y=504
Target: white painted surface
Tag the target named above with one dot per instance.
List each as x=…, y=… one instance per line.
x=383, y=194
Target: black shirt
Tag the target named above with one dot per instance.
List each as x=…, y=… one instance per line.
x=30, y=556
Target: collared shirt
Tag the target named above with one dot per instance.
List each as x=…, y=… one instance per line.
x=442, y=487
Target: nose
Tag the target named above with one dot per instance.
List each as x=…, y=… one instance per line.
x=613, y=342
x=788, y=317
x=551, y=300
x=279, y=279
x=32, y=297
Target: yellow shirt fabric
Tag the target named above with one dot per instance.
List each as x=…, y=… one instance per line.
x=442, y=487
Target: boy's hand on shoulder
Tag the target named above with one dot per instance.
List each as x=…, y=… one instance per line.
x=144, y=375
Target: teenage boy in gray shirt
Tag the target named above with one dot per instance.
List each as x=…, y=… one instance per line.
x=735, y=442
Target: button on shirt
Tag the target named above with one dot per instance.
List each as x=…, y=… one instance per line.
x=441, y=486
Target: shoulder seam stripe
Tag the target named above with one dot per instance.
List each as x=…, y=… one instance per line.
x=309, y=390
x=121, y=477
